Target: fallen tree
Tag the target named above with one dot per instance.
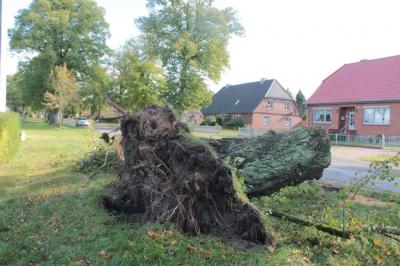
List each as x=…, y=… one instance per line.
x=169, y=176
x=276, y=160
x=172, y=178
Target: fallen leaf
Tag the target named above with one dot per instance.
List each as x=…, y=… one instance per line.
x=191, y=248
x=102, y=254
x=378, y=243
x=174, y=242
x=152, y=234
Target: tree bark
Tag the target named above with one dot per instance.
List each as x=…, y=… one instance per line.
x=277, y=160
x=53, y=117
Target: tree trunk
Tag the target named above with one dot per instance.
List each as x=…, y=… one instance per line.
x=61, y=116
x=277, y=160
x=53, y=117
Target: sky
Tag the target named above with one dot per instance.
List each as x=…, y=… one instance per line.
x=299, y=43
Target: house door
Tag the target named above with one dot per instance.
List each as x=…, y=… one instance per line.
x=352, y=120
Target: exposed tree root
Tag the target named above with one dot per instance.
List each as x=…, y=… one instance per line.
x=171, y=178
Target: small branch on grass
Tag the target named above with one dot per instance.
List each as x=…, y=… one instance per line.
x=385, y=231
x=100, y=168
x=322, y=227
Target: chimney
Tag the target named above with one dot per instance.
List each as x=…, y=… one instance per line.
x=262, y=80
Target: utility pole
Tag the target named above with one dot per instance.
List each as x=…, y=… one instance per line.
x=3, y=82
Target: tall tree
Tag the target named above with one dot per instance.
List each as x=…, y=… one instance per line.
x=14, y=95
x=301, y=103
x=58, y=32
x=137, y=80
x=190, y=39
x=65, y=90
x=94, y=90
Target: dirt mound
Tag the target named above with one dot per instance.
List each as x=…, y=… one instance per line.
x=171, y=178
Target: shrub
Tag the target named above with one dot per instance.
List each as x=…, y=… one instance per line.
x=9, y=135
x=233, y=123
x=208, y=122
x=218, y=120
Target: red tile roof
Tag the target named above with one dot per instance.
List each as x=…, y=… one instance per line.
x=364, y=81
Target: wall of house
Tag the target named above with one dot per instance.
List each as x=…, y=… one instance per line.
x=277, y=115
x=360, y=128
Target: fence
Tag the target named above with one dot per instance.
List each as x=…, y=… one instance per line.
x=379, y=141
x=208, y=129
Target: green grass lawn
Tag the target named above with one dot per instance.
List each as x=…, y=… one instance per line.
x=49, y=215
x=225, y=133
x=377, y=158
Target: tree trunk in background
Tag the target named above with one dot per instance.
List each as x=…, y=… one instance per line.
x=53, y=117
x=277, y=160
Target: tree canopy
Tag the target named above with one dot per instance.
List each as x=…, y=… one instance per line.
x=65, y=90
x=137, y=80
x=94, y=90
x=190, y=39
x=57, y=32
x=14, y=96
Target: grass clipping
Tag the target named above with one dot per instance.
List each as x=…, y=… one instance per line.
x=171, y=178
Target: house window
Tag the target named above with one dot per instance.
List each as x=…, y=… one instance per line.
x=376, y=115
x=269, y=104
x=287, y=107
x=266, y=120
x=322, y=115
x=288, y=122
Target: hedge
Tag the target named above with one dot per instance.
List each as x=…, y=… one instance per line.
x=9, y=135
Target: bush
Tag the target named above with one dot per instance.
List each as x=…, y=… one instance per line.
x=9, y=135
x=236, y=123
x=218, y=120
x=208, y=122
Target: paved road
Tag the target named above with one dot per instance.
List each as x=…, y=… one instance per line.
x=98, y=128
x=346, y=163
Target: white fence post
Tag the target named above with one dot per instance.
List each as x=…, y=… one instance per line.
x=383, y=141
x=336, y=136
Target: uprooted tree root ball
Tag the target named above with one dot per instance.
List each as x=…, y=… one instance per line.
x=171, y=178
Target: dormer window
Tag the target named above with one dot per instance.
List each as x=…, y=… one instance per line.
x=269, y=104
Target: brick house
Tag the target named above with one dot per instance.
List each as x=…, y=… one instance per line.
x=361, y=98
x=260, y=105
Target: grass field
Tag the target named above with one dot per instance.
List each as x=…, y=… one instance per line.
x=225, y=133
x=49, y=215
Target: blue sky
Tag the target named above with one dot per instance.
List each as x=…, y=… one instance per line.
x=296, y=42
